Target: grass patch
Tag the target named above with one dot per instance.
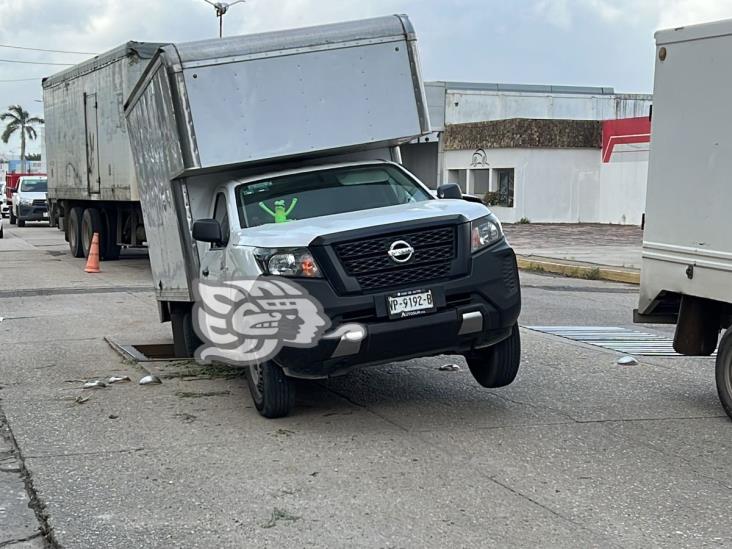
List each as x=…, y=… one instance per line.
x=203, y=394
x=524, y=221
x=592, y=274
x=277, y=516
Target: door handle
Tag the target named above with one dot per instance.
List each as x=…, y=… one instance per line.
x=205, y=272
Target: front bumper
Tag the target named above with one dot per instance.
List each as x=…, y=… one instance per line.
x=475, y=310
x=32, y=212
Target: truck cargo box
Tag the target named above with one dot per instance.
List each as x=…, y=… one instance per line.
x=229, y=104
x=89, y=155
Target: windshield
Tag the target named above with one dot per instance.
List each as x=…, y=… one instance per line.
x=325, y=192
x=34, y=185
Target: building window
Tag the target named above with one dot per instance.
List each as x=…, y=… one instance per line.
x=481, y=179
x=460, y=177
x=503, y=178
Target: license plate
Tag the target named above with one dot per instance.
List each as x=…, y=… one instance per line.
x=45, y=215
x=410, y=303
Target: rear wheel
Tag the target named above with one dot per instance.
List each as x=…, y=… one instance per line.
x=498, y=365
x=185, y=340
x=272, y=391
x=724, y=371
x=1, y=231
x=91, y=222
x=21, y=223
x=73, y=234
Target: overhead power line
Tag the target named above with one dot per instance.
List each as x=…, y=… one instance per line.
x=34, y=62
x=22, y=79
x=50, y=51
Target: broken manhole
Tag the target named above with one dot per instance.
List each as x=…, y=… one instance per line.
x=145, y=352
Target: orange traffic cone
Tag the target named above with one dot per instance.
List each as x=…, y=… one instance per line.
x=92, y=263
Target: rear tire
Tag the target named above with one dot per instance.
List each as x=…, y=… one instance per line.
x=73, y=234
x=1, y=231
x=91, y=222
x=272, y=391
x=724, y=371
x=21, y=223
x=185, y=340
x=498, y=365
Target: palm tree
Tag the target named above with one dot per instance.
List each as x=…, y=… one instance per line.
x=19, y=120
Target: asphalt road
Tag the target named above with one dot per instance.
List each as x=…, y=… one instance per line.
x=578, y=452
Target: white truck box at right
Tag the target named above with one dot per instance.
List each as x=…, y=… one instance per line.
x=687, y=245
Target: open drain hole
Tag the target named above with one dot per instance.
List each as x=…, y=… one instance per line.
x=145, y=352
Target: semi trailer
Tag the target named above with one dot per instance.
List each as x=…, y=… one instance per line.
x=92, y=186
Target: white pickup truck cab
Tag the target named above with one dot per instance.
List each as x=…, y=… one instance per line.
x=30, y=200
x=275, y=157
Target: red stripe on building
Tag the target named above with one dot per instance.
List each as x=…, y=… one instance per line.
x=624, y=130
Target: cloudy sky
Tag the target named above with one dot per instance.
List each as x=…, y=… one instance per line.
x=571, y=42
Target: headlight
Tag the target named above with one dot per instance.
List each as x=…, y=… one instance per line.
x=484, y=232
x=288, y=262
x=24, y=201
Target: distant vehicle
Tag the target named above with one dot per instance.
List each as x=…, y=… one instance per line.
x=30, y=200
x=686, y=276
x=4, y=205
x=11, y=183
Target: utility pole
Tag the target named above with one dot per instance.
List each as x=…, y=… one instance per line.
x=221, y=9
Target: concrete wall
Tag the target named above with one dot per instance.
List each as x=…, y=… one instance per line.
x=550, y=185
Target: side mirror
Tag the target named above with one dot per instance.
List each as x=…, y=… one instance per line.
x=207, y=230
x=449, y=190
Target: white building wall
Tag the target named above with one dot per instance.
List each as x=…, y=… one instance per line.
x=550, y=185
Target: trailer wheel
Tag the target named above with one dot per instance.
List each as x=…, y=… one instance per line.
x=21, y=223
x=185, y=340
x=498, y=365
x=272, y=391
x=91, y=222
x=73, y=232
x=724, y=371
x=13, y=219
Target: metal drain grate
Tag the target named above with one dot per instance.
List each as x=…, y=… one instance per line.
x=622, y=340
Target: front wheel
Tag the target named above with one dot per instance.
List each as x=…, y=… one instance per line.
x=21, y=223
x=498, y=365
x=13, y=219
x=272, y=391
x=724, y=371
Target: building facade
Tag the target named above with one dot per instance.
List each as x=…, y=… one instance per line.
x=538, y=153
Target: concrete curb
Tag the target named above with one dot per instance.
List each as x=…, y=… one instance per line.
x=588, y=271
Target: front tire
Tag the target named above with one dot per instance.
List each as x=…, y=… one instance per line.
x=21, y=223
x=498, y=365
x=13, y=219
x=272, y=391
x=724, y=371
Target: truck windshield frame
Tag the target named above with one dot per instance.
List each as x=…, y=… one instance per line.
x=323, y=192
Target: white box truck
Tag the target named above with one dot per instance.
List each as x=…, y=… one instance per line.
x=686, y=275
x=275, y=156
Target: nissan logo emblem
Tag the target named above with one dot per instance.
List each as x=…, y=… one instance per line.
x=400, y=251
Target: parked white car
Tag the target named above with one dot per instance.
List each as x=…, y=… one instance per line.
x=4, y=205
x=30, y=200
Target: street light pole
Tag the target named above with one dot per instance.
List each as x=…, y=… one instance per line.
x=221, y=9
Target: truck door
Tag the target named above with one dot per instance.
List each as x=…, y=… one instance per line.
x=94, y=182
x=213, y=263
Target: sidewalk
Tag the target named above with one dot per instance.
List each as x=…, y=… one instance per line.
x=606, y=252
